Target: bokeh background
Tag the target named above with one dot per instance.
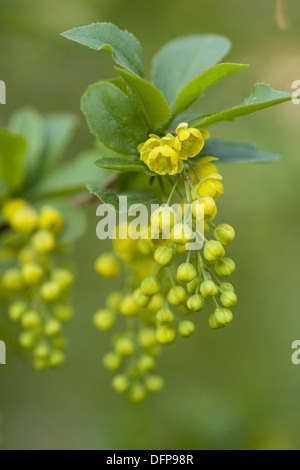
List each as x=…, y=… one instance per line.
x=233, y=389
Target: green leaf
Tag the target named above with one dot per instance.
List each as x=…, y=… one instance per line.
x=28, y=123
x=151, y=100
x=113, y=118
x=123, y=46
x=235, y=152
x=135, y=197
x=123, y=165
x=59, y=131
x=262, y=97
x=183, y=59
x=208, y=78
x=70, y=178
x=12, y=151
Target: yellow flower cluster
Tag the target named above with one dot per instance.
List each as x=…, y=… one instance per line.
x=40, y=286
x=165, y=155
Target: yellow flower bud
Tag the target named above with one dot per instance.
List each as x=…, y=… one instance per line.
x=50, y=292
x=164, y=255
x=165, y=316
x=186, y=272
x=27, y=256
x=208, y=289
x=63, y=312
x=206, y=229
x=186, y=328
x=165, y=335
x=114, y=300
x=120, y=383
x=25, y=220
x=12, y=280
x=107, y=265
x=163, y=219
x=137, y=393
x=192, y=286
x=52, y=328
x=224, y=234
x=17, y=310
x=225, y=267
x=213, y=250
x=229, y=299
x=204, y=168
x=112, y=361
x=32, y=274
x=206, y=206
x=11, y=207
x=223, y=317
x=212, y=322
x=180, y=249
x=181, y=234
x=146, y=363
x=27, y=339
x=104, y=319
x=156, y=303
x=44, y=242
x=129, y=306
x=63, y=277
x=226, y=286
x=154, y=383
x=141, y=299
x=147, y=338
x=195, y=303
x=124, y=346
x=57, y=358
x=177, y=295
x=51, y=219
x=31, y=320
x=150, y=286
x=42, y=351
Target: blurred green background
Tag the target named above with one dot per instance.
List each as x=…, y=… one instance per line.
x=233, y=389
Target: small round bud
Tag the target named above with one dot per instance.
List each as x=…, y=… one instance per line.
x=186, y=328
x=208, y=289
x=63, y=277
x=12, y=280
x=32, y=274
x=120, y=383
x=40, y=364
x=25, y=220
x=44, y=242
x=146, y=363
x=104, y=319
x=27, y=256
x=181, y=234
x=42, y=351
x=165, y=335
x=52, y=328
x=57, y=358
x=124, y=346
x=112, y=361
x=17, y=310
x=154, y=383
x=163, y=219
x=129, y=307
x=195, y=303
x=156, y=303
x=213, y=250
x=164, y=255
x=186, y=273
x=27, y=339
x=165, y=316
x=150, y=286
x=11, y=207
x=225, y=267
x=192, y=286
x=177, y=295
x=229, y=299
x=212, y=322
x=31, y=320
x=204, y=209
x=147, y=338
x=63, y=312
x=226, y=286
x=224, y=234
x=51, y=219
x=141, y=299
x=223, y=317
x=114, y=300
x=107, y=265
x=180, y=249
x=137, y=393
x=50, y=292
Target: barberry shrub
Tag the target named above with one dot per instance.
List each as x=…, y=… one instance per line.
x=148, y=139
x=38, y=223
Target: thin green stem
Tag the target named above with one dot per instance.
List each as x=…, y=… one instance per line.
x=172, y=193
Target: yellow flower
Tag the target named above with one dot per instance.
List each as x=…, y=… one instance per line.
x=209, y=187
x=203, y=168
x=161, y=155
x=191, y=139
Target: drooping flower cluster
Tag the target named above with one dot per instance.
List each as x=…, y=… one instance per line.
x=38, y=285
x=165, y=155
x=161, y=290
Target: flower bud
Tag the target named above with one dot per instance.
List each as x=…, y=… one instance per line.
x=112, y=361
x=165, y=335
x=17, y=310
x=208, y=289
x=52, y=328
x=186, y=328
x=124, y=346
x=27, y=339
x=51, y=219
x=147, y=338
x=186, y=272
x=212, y=322
x=11, y=207
x=63, y=312
x=229, y=299
x=63, y=277
x=154, y=383
x=120, y=383
x=192, y=286
x=107, y=266
x=225, y=267
x=137, y=393
x=224, y=234
x=165, y=316
x=156, y=303
x=204, y=209
x=31, y=320
x=180, y=249
x=43, y=242
x=223, y=317
x=114, y=300
x=181, y=234
x=12, y=280
x=213, y=250
x=57, y=358
x=104, y=319
x=164, y=255
x=226, y=286
x=32, y=274
x=141, y=299
x=129, y=307
x=50, y=292
x=25, y=220
x=146, y=363
x=40, y=364
x=177, y=295
x=27, y=255
x=163, y=219
x=195, y=303
x=150, y=286
x=42, y=351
